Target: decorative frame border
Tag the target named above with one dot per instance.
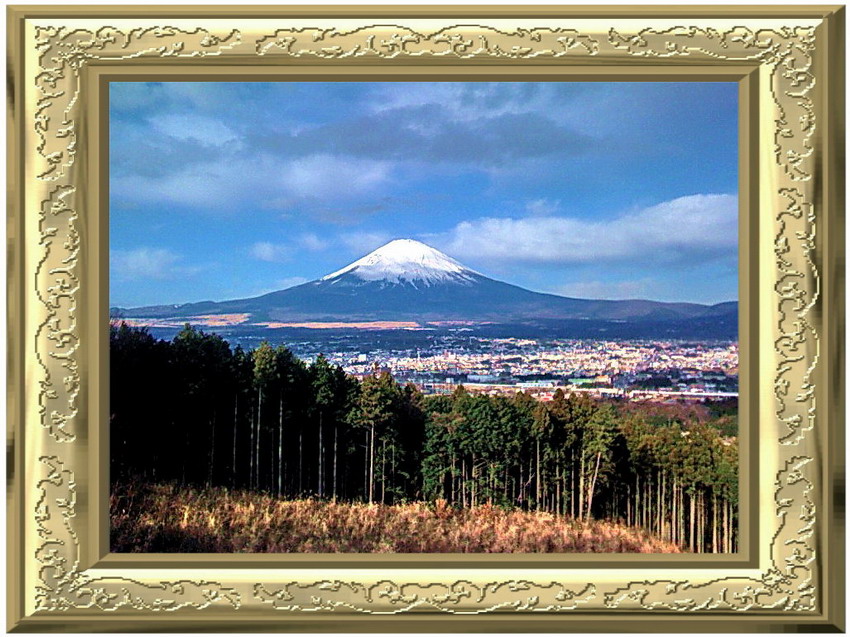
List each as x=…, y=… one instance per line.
x=789, y=63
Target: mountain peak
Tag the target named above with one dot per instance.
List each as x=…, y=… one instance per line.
x=406, y=261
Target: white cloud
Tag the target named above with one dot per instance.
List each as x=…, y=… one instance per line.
x=271, y=252
x=689, y=228
x=324, y=176
x=144, y=263
x=225, y=184
x=283, y=252
x=312, y=242
x=391, y=95
x=542, y=207
x=204, y=130
x=174, y=96
x=467, y=102
x=209, y=186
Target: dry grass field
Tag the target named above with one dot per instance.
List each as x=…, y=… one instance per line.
x=167, y=518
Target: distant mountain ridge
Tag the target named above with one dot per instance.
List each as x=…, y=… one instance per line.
x=406, y=280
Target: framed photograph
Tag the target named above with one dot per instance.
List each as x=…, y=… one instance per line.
x=426, y=318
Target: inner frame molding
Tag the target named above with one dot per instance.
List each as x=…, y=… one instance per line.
x=788, y=61
x=99, y=77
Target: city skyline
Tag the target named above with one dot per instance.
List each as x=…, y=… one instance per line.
x=257, y=187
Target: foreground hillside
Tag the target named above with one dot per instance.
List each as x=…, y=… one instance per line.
x=267, y=422
x=166, y=518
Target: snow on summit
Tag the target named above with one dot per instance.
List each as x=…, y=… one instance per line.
x=406, y=261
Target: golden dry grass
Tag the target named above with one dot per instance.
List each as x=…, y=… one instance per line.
x=166, y=518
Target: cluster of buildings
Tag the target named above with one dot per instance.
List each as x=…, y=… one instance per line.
x=636, y=370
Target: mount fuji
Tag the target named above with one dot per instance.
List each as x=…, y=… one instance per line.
x=406, y=280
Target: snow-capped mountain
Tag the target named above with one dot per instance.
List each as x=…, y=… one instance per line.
x=405, y=261
x=406, y=280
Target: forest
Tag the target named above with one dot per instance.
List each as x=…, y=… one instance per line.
x=198, y=413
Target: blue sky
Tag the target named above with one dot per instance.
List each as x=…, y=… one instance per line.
x=587, y=189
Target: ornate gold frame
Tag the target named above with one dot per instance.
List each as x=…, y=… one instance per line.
x=789, y=574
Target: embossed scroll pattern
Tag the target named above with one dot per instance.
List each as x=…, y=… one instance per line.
x=785, y=55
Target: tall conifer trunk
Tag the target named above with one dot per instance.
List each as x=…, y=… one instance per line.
x=537, y=477
x=454, y=478
x=257, y=448
x=372, y=465
x=251, y=448
x=321, y=454
x=235, y=420
x=335, y=461
x=301, y=460
x=366, y=468
x=691, y=540
x=280, y=445
x=581, y=486
x=383, y=471
x=714, y=522
x=593, y=484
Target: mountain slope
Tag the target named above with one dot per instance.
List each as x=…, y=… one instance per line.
x=407, y=280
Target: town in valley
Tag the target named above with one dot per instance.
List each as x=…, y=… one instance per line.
x=649, y=369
